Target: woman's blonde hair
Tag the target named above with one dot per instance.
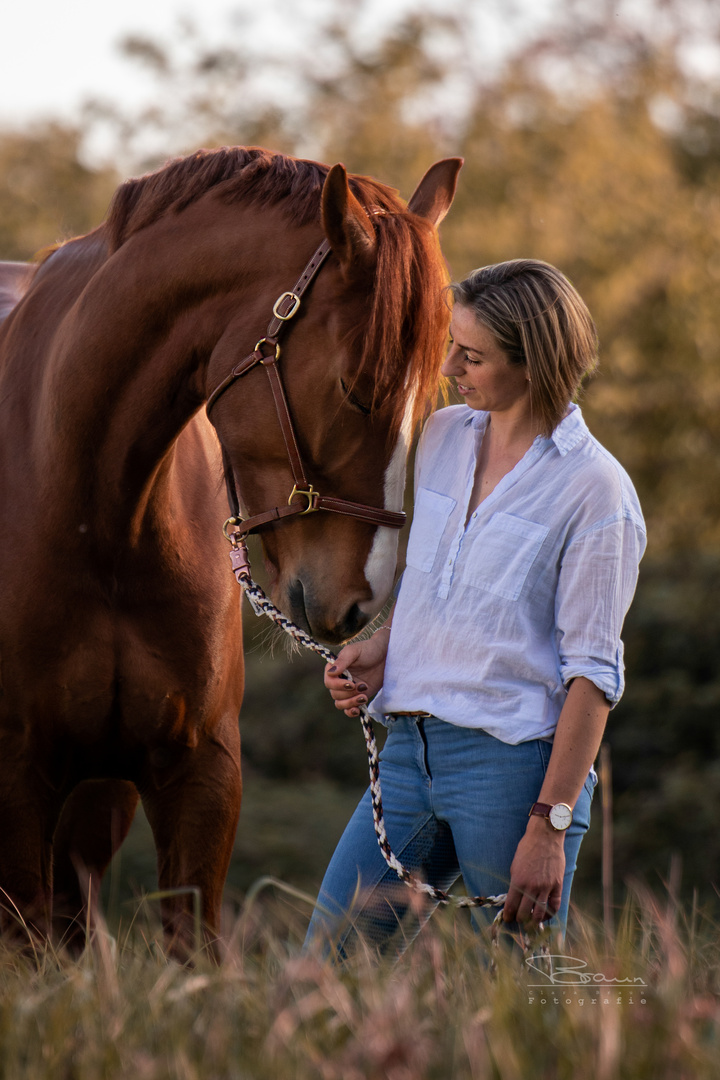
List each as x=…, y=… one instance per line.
x=539, y=319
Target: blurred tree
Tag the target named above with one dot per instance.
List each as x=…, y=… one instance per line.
x=374, y=109
x=46, y=192
x=332, y=96
x=204, y=95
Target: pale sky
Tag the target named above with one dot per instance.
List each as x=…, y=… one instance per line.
x=54, y=55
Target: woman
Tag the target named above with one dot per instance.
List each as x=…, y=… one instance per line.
x=502, y=658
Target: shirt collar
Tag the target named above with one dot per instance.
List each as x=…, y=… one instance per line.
x=571, y=430
x=476, y=418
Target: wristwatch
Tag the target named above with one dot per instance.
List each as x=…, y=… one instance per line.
x=559, y=815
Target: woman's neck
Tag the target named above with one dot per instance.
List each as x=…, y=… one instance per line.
x=511, y=432
x=505, y=442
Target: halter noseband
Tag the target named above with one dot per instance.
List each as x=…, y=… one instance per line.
x=235, y=528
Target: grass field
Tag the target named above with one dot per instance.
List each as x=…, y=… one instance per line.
x=645, y=1003
x=639, y=1002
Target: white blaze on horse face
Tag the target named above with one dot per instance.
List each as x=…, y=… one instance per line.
x=382, y=560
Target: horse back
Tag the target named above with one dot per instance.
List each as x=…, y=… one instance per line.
x=15, y=278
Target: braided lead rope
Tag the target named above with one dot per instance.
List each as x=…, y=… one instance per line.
x=262, y=605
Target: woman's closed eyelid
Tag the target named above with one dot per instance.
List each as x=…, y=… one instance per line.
x=466, y=356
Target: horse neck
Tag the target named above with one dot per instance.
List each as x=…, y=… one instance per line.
x=127, y=366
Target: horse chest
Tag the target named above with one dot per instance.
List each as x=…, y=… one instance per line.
x=106, y=676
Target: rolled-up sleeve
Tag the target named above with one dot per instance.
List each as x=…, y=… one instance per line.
x=598, y=575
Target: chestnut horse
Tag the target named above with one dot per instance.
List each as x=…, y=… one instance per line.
x=121, y=672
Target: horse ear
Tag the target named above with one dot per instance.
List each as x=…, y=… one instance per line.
x=434, y=194
x=347, y=226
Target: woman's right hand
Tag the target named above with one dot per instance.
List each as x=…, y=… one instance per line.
x=365, y=660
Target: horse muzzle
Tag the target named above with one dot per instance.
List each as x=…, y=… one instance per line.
x=332, y=622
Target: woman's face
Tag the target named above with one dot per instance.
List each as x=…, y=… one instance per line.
x=484, y=375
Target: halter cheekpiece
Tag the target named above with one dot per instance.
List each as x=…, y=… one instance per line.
x=303, y=499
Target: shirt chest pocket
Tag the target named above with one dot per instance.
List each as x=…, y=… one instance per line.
x=430, y=516
x=502, y=554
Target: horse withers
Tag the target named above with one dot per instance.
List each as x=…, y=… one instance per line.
x=121, y=672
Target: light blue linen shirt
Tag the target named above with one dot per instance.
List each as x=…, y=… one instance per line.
x=493, y=621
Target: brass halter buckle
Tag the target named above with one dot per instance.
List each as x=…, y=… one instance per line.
x=311, y=495
x=289, y=314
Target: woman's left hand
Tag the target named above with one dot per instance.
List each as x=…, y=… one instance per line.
x=536, y=874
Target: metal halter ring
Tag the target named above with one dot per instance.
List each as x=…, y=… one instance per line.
x=311, y=494
x=235, y=521
x=264, y=341
x=296, y=304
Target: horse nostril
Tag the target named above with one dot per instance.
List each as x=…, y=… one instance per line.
x=354, y=621
x=296, y=600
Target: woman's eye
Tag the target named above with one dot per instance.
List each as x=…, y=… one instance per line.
x=469, y=360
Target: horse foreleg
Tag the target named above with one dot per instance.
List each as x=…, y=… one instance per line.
x=194, y=818
x=28, y=812
x=95, y=820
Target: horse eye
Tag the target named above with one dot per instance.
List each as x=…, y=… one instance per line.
x=365, y=409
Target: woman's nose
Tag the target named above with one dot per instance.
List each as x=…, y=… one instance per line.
x=451, y=364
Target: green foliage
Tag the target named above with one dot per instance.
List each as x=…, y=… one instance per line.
x=46, y=193
x=665, y=737
x=290, y=728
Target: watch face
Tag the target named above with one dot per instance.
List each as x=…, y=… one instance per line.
x=560, y=816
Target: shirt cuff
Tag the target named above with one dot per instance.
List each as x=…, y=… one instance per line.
x=607, y=679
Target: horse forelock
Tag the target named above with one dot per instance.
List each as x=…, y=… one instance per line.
x=402, y=343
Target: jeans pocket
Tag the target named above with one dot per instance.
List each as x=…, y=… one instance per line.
x=544, y=750
x=591, y=782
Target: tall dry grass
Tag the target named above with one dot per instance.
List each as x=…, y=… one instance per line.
x=124, y=1010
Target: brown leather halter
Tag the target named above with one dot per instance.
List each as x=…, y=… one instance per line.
x=235, y=528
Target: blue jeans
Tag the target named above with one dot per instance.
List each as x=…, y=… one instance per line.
x=456, y=802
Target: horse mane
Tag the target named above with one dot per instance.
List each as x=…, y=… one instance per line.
x=403, y=341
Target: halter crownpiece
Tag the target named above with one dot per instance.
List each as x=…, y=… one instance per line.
x=303, y=499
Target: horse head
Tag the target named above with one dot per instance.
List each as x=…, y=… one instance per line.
x=359, y=359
